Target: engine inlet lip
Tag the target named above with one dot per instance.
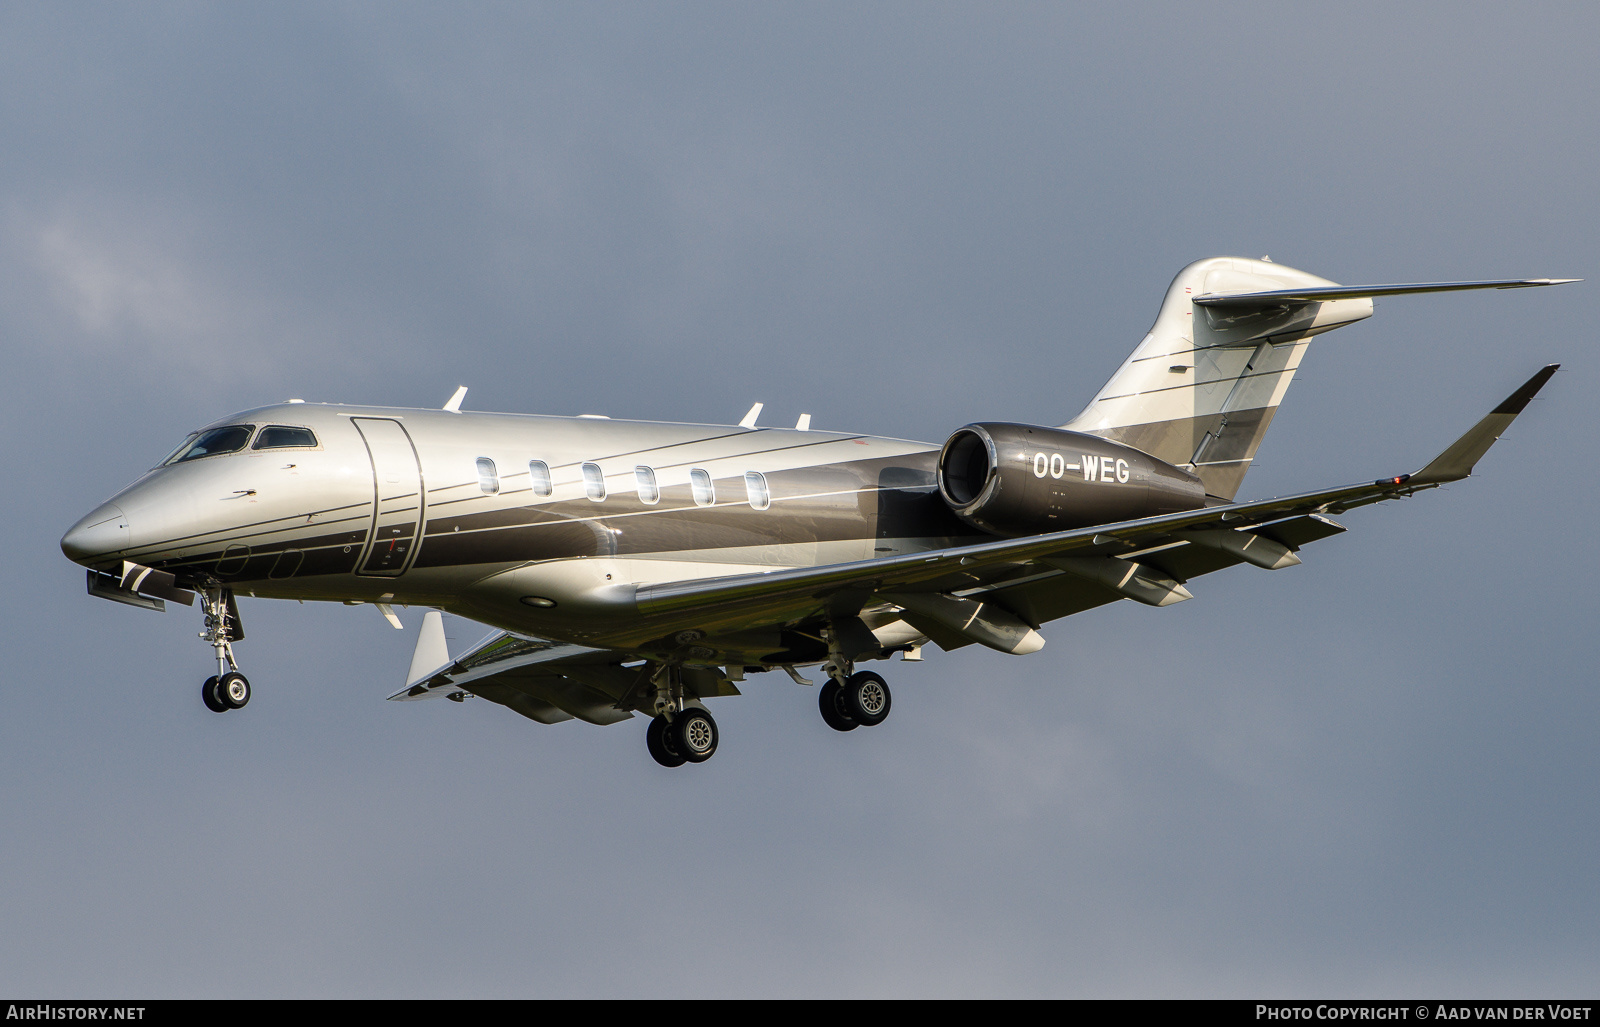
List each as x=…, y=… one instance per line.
x=984, y=492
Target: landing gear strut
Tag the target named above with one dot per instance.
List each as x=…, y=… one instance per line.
x=851, y=698
x=228, y=689
x=678, y=733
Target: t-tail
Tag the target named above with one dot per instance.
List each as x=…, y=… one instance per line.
x=1200, y=390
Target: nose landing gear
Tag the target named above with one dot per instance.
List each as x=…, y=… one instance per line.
x=227, y=689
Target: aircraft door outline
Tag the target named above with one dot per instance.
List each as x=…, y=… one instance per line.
x=397, y=498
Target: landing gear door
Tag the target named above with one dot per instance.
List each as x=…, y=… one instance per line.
x=397, y=498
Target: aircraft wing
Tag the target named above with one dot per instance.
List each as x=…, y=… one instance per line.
x=544, y=681
x=992, y=592
x=1100, y=564
x=529, y=675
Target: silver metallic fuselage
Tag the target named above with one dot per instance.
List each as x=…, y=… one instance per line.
x=392, y=506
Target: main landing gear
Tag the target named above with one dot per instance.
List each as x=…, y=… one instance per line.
x=850, y=698
x=859, y=700
x=689, y=737
x=227, y=689
x=678, y=733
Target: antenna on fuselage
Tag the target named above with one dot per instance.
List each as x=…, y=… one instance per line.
x=804, y=424
x=750, y=418
x=454, y=406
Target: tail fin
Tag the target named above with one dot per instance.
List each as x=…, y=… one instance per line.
x=1202, y=387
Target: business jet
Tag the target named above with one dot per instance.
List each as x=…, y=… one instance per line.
x=637, y=567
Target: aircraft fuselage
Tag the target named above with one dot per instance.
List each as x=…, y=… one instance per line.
x=529, y=523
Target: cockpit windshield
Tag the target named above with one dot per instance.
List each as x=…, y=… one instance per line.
x=211, y=443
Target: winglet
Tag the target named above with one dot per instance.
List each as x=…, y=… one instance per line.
x=454, y=405
x=432, y=652
x=1456, y=462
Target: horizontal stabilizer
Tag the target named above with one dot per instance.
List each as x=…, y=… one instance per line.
x=1351, y=292
x=1456, y=462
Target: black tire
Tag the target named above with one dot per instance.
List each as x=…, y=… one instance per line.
x=694, y=735
x=834, y=713
x=208, y=693
x=866, y=696
x=656, y=740
x=233, y=690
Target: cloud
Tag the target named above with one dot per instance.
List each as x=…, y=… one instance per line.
x=113, y=283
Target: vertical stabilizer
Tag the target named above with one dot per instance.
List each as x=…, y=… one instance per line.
x=1201, y=389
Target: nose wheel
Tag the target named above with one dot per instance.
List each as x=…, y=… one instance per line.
x=229, y=692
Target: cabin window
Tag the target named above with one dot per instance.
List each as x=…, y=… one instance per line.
x=539, y=478
x=705, y=493
x=488, y=477
x=594, y=482
x=649, y=493
x=277, y=436
x=755, y=490
x=214, y=443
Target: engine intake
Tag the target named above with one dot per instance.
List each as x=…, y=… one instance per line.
x=1023, y=479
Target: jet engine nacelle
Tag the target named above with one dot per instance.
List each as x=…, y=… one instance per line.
x=1022, y=479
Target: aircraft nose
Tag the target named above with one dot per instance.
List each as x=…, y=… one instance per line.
x=103, y=532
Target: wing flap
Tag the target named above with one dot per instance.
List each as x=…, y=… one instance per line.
x=498, y=653
x=516, y=699
x=570, y=697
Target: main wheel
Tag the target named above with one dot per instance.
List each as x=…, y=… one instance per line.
x=866, y=696
x=834, y=712
x=656, y=740
x=233, y=690
x=208, y=694
x=694, y=735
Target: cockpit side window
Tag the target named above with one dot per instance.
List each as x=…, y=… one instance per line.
x=214, y=443
x=277, y=436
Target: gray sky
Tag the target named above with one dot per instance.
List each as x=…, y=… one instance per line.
x=1373, y=774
